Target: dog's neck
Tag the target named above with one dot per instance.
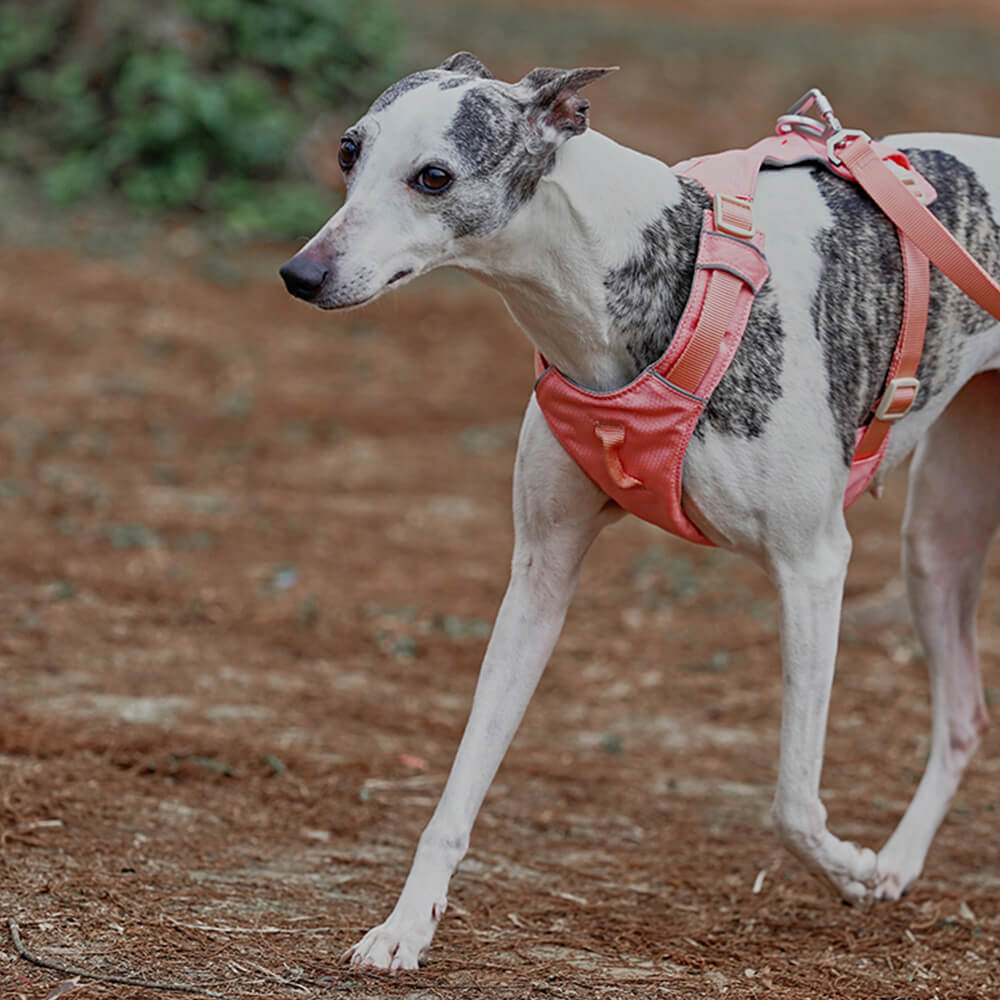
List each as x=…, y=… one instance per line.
x=564, y=261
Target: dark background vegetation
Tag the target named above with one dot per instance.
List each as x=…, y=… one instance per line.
x=249, y=553
x=185, y=104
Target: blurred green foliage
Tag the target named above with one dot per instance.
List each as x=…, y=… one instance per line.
x=185, y=104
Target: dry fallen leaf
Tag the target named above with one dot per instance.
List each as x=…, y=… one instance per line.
x=411, y=760
x=60, y=988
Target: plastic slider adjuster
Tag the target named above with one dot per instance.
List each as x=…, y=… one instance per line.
x=882, y=412
x=734, y=215
x=907, y=177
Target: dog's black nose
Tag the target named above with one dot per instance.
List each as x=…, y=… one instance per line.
x=303, y=276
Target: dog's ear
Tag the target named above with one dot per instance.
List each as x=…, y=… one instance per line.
x=555, y=105
x=467, y=63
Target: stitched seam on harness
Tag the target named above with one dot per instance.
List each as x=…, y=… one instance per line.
x=540, y=377
x=742, y=242
x=597, y=394
x=728, y=270
x=676, y=388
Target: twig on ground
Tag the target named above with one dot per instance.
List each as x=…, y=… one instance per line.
x=220, y=929
x=20, y=836
x=44, y=963
x=64, y=987
x=275, y=977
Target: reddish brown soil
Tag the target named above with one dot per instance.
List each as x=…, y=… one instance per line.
x=838, y=11
x=248, y=560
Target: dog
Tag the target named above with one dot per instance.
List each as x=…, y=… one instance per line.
x=592, y=244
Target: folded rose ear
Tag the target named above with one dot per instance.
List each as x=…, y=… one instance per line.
x=554, y=101
x=467, y=63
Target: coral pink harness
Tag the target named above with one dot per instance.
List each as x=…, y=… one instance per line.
x=632, y=442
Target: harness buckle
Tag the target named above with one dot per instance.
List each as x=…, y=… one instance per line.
x=734, y=215
x=839, y=138
x=829, y=129
x=802, y=124
x=885, y=403
x=795, y=118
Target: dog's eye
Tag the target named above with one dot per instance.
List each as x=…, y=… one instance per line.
x=433, y=180
x=348, y=155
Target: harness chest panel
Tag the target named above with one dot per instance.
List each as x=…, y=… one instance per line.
x=632, y=442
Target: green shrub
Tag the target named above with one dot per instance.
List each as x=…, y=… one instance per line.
x=186, y=104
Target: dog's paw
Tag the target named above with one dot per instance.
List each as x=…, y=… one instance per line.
x=401, y=942
x=896, y=873
x=850, y=871
x=858, y=883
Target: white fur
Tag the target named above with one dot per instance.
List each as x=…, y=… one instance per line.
x=777, y=498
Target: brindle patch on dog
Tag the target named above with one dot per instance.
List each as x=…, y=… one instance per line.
x=964, y=208
x=444, y=78
x=392, y=94
x=484, y=130
x=742, y=402
x=501, y=169
x=648, y=294
x=467, y=64
x=858, y=306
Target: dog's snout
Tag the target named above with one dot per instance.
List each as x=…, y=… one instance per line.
x=303, y=276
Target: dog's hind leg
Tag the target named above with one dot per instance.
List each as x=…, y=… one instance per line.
x=558, y=512
x=952, y=512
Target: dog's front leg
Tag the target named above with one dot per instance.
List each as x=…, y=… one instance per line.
x=557, y=514
x=810, y=585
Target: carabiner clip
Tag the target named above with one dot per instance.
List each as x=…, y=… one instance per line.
x=830, y=130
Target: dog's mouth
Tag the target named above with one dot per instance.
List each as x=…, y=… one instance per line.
x=343, y=306
x=357, y=303
x=307, y=277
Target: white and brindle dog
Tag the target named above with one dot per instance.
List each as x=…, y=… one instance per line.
x=592, y=246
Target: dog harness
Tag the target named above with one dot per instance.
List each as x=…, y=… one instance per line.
x=631, y=442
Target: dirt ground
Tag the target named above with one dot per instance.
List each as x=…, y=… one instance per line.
x=845, y=11
x=248, y=560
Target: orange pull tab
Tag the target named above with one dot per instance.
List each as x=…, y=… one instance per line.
x=612, y=437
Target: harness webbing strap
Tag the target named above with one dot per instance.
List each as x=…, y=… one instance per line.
x=716, y=315
x=736, y=270
x=901, y=384
x=916, y=221
x=632, y=441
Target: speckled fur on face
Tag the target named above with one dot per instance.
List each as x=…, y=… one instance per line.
x=445, y=80
x=488, y=132
x=490, y=135
x=858, y=307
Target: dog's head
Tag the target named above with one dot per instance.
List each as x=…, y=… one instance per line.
x=442, y=159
